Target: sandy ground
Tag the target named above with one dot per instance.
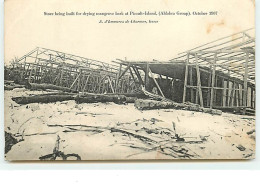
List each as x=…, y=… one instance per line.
x=107, y=131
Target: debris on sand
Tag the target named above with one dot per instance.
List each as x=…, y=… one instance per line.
x=250, y=132
x=57, y=154
x=241, y=148
x=121, y=131
x=142, y=104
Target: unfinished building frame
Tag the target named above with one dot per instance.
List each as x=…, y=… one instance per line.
x=81, y=74
x=219, y=74
x=216, y=75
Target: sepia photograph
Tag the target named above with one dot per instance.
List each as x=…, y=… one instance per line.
x=129, y=80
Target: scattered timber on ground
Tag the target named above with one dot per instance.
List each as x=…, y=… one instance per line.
x=8, y=82
x=57, y=154
x=166, y=147
x=44, y=98
x=44, y=86
x=100, y=98
x=153, y=104
x=10, y=85
x=137, y=95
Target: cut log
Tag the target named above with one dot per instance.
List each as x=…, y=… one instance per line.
x=130, y=99
x=35, y=86
x=137, y=95
x=153, y=104
x=11, y=87
x=119, y=99
x=44, y=98
x=8, y=82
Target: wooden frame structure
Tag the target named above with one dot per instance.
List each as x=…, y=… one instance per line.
x=230, y=66
x=219, y=74
x=81, y=74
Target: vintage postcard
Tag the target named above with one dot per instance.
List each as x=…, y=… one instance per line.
x=129, y=80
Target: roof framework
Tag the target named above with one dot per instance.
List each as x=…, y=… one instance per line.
x=231, y=55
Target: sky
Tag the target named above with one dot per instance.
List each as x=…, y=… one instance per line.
x=26, y=27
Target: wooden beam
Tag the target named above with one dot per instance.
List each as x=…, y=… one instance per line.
x=86, y=83
x=117, y=79
x=156, y=83
x=138, y=75
x=125, y=70
x=132, y=76
x=213, y=83
x=185, y=78
x=147, y=75
x=232, y=94
x=199, y=82
x=111, y=85
x=191, y=83
x=209, y=84
x=75, y=80
x=245, y=81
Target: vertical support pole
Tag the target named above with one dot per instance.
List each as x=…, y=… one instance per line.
x=147, y=76
x=185, y=78
x=79, y=81
x=245, y=82
x=240, y=94
x=232, y=95
x=215, y=90
x=213, y=81
x=237, y=94
x=117, y=79
x=224, y=92
x=86, y=83
x=191, y=84
x=252, y=96
x=228, y=94
x=35, y=66
x=209, y=83
x=198, y=80
x=61, y=75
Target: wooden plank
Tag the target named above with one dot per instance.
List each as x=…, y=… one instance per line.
x=209, y=84
x=146, y=82
x=75, y=81
x=252, y=98
x=198, y=81
x=156, y=83
x=111, y=85
x=232, y=96
x=138, y=75
x=213, y=82
x=86, y=83
x=224, y=92
x=117, y=79
x=240, y=94
x=132, y=76
x=245, y=81
x=185, y=78
x=125, y=70
x=191, y=83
